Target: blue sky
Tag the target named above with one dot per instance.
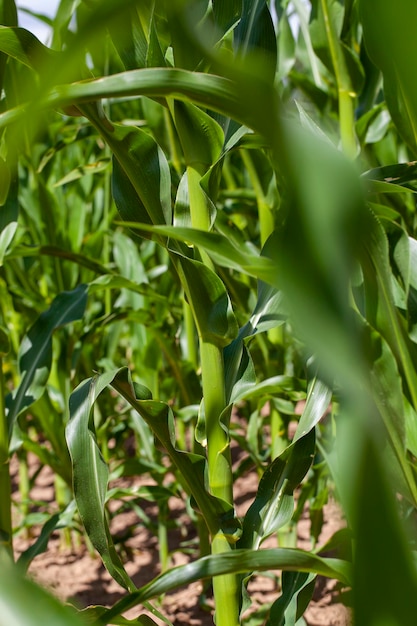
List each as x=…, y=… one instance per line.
x=45, y=7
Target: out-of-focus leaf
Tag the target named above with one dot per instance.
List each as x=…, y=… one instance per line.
x=23, y=46
x=90, y=474
x=274, y=503
x=39, y=607
x=226, y=14
x=57, y=521
x=314, y=251
x=83, y=170
x=378, y=563
x=35, y=354
x=4, y=342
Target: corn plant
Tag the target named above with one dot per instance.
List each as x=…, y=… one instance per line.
x=248, y=187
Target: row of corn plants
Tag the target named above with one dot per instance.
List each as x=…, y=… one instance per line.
x=208, y=208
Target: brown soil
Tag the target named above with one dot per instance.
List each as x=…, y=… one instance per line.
x=77, y=576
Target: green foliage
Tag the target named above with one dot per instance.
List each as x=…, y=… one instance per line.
x=212, y=205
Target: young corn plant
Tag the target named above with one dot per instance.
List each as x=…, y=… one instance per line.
x=264, y=210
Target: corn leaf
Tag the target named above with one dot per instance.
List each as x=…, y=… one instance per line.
x=39, y=606
x=141, y=177
x=238, y=561
x=90, y=474
x=22, y=45
x=297, y=591
x=273, y=506
x=383, y=559
x=35, y=354
x=391, y=43
x=210, y=302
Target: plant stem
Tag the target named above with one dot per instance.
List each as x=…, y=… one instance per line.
x=220, y=476
x=266, y=216
x=5, y=485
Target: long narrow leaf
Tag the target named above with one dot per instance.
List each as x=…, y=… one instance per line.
x=35, y=354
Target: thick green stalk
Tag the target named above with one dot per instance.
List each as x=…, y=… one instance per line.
x=220, y=476
x=5, y=485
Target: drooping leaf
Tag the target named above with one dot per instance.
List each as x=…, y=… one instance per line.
x=23, y=46
x=274, y=503
x=297, y=591
x=317, y=402
x=220, y=249
x=214, y=565
x=35, y=354
x=141, y=177
x=210, y=302
x=90, y=474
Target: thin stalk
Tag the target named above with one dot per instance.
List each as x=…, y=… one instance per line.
x=190, y=333
x=163, y=535
x=24, y=487
x=344, y=87
x=266, y=216
x=278, y=433
x=107, y=197
x=6, y=540
x=172, y=141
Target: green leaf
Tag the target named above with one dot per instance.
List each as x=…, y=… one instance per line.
x=23, y=46
x=238, y=561
x=223, y=251
x=268, y=313
x=209, y=301
x=158, y=415
x=325, y=28
x=317, y=402
x=273, y=506
x=4, y=342
x=383, y=559
x=39, y=606
x=83, y=170
x=226, y=13
x=141, y=176
x=255, y=34
x=389, y=37
x=297, y=591
x=35, y=353
x=57, y=521
x=200, y=135
x=90, y=474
